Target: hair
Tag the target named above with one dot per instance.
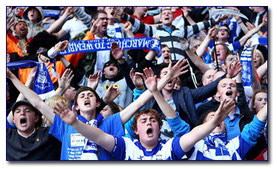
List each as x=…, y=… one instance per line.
x=51, y=102
x=114, y=107
x=164, y=45
x=85, y=88
x=96, y=14
x=227, y=50
x=253, y=100
x=232, y=54
x=146, y=111
x=203, y=116
x=161, y=67
x=258, y=52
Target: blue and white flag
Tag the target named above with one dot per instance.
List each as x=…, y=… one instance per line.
x=51, y=13
x=105, y=44
x=259, y=41
x=42, y=85
x=246, y=72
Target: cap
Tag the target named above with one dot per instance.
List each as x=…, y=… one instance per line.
x=24, y=102
x=109, y=63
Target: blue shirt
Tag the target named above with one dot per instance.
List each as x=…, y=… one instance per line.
x=113, y=126
x=72, y=140
x=232, y=125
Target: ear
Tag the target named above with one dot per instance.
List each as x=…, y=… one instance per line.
x=217, y=95
x=76, y=107
x=98, y=104
x=136, y=132
x=37, y=118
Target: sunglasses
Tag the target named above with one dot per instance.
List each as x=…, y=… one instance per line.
x=226, y=30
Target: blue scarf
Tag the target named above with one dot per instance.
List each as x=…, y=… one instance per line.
x=42, y=85
x=105, y=44
x=246, y=72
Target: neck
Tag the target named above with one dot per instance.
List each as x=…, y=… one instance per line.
x=26, y=134
x=234, y=110
x=222, y=40
x=149, y=146
x=88, y=115
x=168, y=25
x=101, y=35
x=167, y=93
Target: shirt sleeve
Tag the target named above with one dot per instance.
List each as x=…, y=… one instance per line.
x=253, y=130
x=113, y=125
x=119, y=148
x=178, y=126
x=57, y=129
x=177, y=151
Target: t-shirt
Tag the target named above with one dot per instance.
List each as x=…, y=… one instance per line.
x=127, y=149
x=111, y=125
x=74, y=26
x=72, y=141
x=39, y=146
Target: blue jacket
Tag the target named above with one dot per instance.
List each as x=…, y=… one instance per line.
x=185, y=101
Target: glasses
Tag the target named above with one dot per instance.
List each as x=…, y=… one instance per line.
x=226, y=30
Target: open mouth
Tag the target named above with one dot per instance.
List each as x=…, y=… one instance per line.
x=23, y=121
x=111, y=69
x=87, y=103
x=229, y=93
x=149, y=131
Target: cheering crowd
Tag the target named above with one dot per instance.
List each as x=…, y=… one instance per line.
x=197, y=90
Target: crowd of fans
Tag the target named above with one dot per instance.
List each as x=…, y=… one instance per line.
x=204, y=98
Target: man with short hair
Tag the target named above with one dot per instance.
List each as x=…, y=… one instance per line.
x=26, y=140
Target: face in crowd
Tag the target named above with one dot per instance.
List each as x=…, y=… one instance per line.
x=259, y=101
x=110, y=71
x=87, y=102
x=227, y=89
x=166, y=54
x=166, y=17
x=25, y=118
x=21, y=29
x=146, y=125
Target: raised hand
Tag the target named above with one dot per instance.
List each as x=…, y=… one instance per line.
x=150, y=79
x=224, y=109
x=93, y=80
x=137, y=79
x=116, y=51
x=234, y=68
x=95, y=27
x=65, y=80
x=178, y=69
x=65, y=113
x=61, y=46
x=111, y=94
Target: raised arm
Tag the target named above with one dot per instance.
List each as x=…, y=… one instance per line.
x=187, y=141
x=205, y=43
x=175, y=71
x=60, y=21
x=193, y=57
x=20, y=96
x=151, y=84
x=252, y=32
x=92, y=133
x=32, y=97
